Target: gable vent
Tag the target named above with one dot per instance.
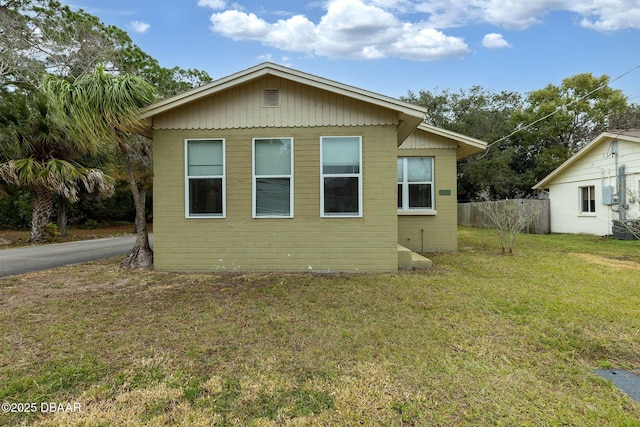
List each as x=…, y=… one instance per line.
x=271, y=98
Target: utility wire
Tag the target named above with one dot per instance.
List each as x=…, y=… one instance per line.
x=562, y=107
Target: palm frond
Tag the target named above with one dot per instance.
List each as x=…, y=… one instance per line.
x=8, y=173
x=96, y=181
x=59, y=176
x=99, y=106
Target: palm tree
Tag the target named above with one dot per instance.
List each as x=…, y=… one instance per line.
x=39, y=157
x=105, y=107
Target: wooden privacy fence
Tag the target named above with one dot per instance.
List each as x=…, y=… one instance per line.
x=470, y=215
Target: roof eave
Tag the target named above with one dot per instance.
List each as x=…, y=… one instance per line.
x=467, y=145
x=408, y=112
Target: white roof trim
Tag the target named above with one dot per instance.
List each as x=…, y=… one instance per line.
x=472, y=145
x=632, y=136
x=268, y=68
x=410, y=115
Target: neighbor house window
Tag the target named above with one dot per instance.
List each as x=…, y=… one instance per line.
x=587, y=199
x=205, y=181
x=341, y=176
x=415, y=183
x=273, y=177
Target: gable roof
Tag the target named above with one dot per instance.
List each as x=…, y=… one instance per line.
x=627, y=135
x=410, y=115
x=466, y=144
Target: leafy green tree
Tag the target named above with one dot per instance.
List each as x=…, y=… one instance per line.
x=559, y=120
x=485, y=115
x=37, y=156
x=16, y=206
x=105, y=107
x=476, y=112
x=43, y=36
x=488, y=176
x=628, y=119
x=528, y=138
x=570, y=115
x=440, y=106
x=39, y=37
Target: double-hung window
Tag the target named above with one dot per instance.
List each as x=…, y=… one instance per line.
x=273, y=177
x=204, y=178
x=415, y=183
x=341, y=176
x=588, y=199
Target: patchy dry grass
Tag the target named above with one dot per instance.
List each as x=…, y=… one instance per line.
x=482, y=339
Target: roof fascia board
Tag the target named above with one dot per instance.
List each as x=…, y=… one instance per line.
x=287, y=73
x=218, y=85
x=471, y=145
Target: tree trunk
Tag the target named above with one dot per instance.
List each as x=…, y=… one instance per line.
x=62, y=216
x=141, y=256
x=41, y=213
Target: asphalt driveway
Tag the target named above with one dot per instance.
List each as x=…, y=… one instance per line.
x=33, y=258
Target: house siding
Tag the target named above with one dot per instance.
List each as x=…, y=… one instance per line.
x=306, y=242
x=438, y=232
x=420, y=139
x=596, y=168
x=301, y=105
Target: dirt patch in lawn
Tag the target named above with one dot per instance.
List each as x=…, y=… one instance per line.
x=106, y=279
x=38, y=287
x=608, y=262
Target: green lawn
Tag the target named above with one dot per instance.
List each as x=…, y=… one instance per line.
x=481, y=339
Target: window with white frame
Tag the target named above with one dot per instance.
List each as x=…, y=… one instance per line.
x=204, y=178
x=588, y=199
x=341, y=176
x=273, y=177
x=415, y=183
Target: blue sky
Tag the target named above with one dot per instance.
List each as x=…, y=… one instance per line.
x=392, y=46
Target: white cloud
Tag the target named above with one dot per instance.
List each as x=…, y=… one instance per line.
x=602, y=15
x=213, y=4
x=612, y=15
x=410, y=29
x=139, y=26
x=295, y=34
x=422, y=43
x=349, y=29
x=239, y=25
x=494, y=41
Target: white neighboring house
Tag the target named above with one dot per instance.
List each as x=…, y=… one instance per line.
x=597, y=185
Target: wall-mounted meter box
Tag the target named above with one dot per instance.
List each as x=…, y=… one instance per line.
x=608, y=195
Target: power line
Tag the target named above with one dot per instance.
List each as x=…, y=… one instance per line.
x=562, y=107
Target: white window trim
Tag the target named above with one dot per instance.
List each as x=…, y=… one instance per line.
x=417, y=212
x=405, y=209
x=255, y=177
x=187, y=214
x=356, y=175
x=582, y=213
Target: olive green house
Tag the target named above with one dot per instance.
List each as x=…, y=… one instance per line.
x=273, y=169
